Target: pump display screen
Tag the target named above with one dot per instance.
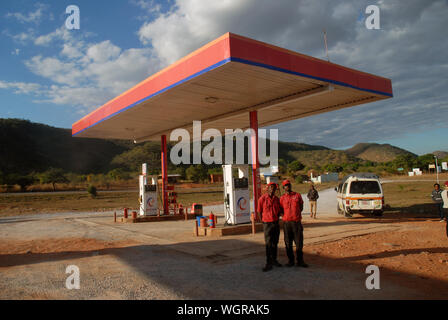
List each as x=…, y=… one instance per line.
x=241, y=183
x=150, y=188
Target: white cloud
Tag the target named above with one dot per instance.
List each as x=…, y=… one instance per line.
x=16, y=52
x=59, y=34
x=87, y=74
x=86, y=97
x=31, y=17
x=148, y=5
x=296, y=25
x=55, y=70
x=409, y=49
x=22, y=87
x=103, y=51
x=71, y=51
x=22, y=37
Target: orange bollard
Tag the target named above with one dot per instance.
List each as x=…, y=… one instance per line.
x=252, y=218
x=211, y=220
x=181, y=209
x=115, y=216
x=196, y=230
x=125, y=213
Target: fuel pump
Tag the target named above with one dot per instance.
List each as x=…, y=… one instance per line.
x=236, y=194
x=148, y=194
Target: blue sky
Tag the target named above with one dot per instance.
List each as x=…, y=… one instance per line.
x=55, y=76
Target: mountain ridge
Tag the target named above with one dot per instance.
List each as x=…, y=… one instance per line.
x=33, y=147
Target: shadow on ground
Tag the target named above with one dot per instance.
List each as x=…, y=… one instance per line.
x=221, y=276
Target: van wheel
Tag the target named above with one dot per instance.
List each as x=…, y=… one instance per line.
x=339, y=209
x=378, y=213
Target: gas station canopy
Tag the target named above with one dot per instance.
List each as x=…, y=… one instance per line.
x=222, y=82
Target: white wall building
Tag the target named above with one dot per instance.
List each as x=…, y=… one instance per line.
x=327, y=177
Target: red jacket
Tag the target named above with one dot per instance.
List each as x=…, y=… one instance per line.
x=292, y=205
x=269, y=208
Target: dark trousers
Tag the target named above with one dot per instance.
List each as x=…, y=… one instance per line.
x=271, y=236
x=293, y=232
x=440, y=209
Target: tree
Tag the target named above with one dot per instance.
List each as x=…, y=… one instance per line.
x=22, y=180
x=132, y=160
x=53, y=176
x=295, y=166
x=119, y=174
x=196, y=173
x=405, y=161
x=282, y=166
x=423, y=161
x=92, y=191
x=333, y=168
x=299, y=179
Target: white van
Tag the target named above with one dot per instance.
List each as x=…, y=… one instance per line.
x=360, y=193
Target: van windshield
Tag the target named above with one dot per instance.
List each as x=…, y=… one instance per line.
x=364, y=187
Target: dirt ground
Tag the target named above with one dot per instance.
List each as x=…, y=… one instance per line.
x=165, y=261
x=414, y=257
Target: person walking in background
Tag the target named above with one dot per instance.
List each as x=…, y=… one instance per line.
x=445, y=205
x=436, y=196
x=313, y=195
x=292, y=205
x=269, y=209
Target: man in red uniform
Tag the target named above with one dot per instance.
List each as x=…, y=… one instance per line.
x=292, y=205
x=269, y=209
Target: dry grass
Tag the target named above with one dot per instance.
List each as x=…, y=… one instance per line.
x=410, y=196
x=413, y=197
x=14, y=204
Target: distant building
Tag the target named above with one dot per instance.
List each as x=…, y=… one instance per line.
x=270, y=179
x=327, y=177
x=312, y=173
x=172, y=178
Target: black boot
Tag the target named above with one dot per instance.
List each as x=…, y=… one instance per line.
x=277, y=264
x=267, y=267
x=301, y=264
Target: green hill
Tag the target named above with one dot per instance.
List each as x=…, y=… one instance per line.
x=27, y=147
x=322, y=157
x=440, y=154
x=31, y=147
x=376, y=152
x=290, y=151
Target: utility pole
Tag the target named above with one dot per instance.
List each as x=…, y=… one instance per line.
x=326, y=47
x=437, y=170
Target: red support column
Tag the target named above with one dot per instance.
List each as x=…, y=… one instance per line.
x=164, y=174
x=256, y=183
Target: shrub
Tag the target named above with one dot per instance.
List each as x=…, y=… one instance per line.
x=295, y=166
x=22, y=180
x=299, y=179
x=91, y=189
x=53, y=176
x=196, y=173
